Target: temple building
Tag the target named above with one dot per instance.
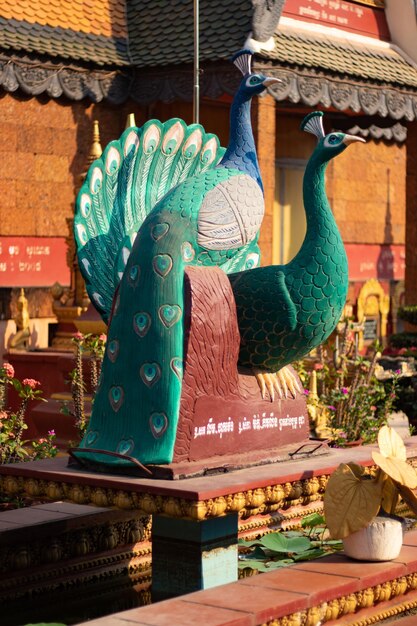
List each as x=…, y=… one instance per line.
x=66, y=63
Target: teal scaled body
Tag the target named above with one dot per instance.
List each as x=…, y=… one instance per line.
x=284, y=311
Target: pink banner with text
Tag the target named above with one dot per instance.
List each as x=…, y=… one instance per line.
x=33, y=261
x=373, y=261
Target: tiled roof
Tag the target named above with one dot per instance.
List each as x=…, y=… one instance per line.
x=98, y=17
x=161, y=33
x=342, y=56
x=149, y=33
x=16, y=35
x=123, y=32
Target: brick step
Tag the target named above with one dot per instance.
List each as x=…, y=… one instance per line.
x=334, y=590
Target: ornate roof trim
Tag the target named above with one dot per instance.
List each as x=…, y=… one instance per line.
x=319, y=88
x=397, y=132
x=172, y=83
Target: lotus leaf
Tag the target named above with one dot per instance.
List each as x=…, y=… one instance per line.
x=389, y=495
x=351, y=500
x=397, y=469
x=279, y=543
x=409, y=497
x=390, y=444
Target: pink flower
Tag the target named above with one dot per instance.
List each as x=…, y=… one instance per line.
x=78, y=336
x=331, y=407
x=9, y=370
x=31, y=382
x=306, y=392
x=318, y=366
x=344, y=390
x=103, y=337
x=373, y=408
x=51, y=433
x=42, y=440
x=398, y=372
x=343, y=435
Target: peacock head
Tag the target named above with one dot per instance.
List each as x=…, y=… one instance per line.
x=252, y=84
x=328, y=146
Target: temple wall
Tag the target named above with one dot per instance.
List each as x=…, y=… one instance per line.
x=45, y=146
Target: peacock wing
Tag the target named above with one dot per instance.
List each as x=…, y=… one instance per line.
x=121, y=189
x=266, y=312
x=230, y=214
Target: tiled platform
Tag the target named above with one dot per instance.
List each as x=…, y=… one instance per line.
x=334, y=591
x=288, y=488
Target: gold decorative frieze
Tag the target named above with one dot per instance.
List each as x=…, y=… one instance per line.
x=263, y=500
x=134, y=533
x=354, y=602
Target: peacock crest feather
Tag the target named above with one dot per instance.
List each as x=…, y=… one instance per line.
x=313, y=123
x=121, y=189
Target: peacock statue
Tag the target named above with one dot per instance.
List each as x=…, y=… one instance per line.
x=284, y=311
x=162, y=197
x=165, y=198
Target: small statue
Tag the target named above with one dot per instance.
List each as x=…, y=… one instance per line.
x=20, y=341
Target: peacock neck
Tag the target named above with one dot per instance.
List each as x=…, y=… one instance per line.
x=316, y=204
x=241, y=151
x=320, y=221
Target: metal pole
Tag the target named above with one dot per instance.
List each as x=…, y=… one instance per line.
x=196, y=91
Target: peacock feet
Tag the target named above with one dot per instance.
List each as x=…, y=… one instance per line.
x=284, y=383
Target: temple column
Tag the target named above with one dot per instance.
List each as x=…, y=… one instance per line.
x=411, y=217
x=263, y=123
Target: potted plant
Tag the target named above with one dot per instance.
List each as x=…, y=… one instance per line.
x=359, y=507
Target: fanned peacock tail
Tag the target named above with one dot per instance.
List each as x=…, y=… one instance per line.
x=122, y=188
x=136, y=408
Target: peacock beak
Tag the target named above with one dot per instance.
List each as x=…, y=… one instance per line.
x=348, y=139
x=271, y=81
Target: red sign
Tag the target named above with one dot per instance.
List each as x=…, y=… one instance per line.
x=33, y=261
x=370, y=261
x=342, y=14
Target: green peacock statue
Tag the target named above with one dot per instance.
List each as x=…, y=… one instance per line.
x=166, y=197
x=285, y=311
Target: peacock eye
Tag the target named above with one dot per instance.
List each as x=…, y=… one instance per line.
x=332, y=140
x=254, y=80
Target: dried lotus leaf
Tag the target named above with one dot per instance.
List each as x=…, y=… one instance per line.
x=358, y=470
x=409, y=497
x=350, y=502
x=390, y=443
x=397, y=469
x=389, y=495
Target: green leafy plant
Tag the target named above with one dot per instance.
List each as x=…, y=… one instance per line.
x=92, y=346
x=282, y=548
x=408, y=314
x=13, y=447
x=351, y=401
